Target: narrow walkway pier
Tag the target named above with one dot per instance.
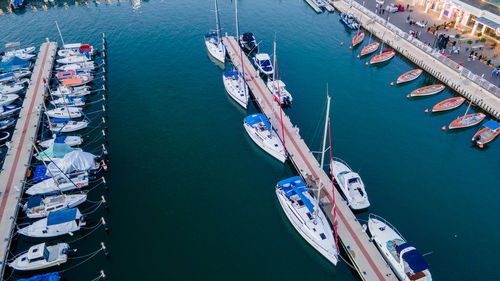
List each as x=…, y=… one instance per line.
x=20, y=147
x=313, y=5
x=426, y=58
x=364, y=255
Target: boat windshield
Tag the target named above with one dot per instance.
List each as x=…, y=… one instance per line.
x=391, y=247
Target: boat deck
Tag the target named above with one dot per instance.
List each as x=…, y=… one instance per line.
x=20, y=147
x=364, y=255
x=314, y=6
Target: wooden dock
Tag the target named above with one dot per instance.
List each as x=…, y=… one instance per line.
x=364, y=255
x=20, y=150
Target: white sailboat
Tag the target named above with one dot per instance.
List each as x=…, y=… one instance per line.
x=262, y=133
x=56, y=224
x=69, y=140
x=67, y=126
x=60, y=182
x=68, y=101
x=236, y=87
x=84, y=66
x=405, y=260
x=213, y=40
x=7, y=99
x=40, y=207
x=276, y=86
x=10, y=89
x=73, y=59
x=63, y=91
x=351, y=185
x=41, y=256
x=64, y=112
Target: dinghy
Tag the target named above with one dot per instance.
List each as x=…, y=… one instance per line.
x=404, y=259
x=64, y=112
x=383, y=57
x=409, y=76
x=468, y=120
x=490, y=131
x=40, y=207
x=4, y=124
x=41, y=256
x=248, y=43
x=73, y=59
x=69, y=140
x=427, y=90
x=56, y=224
x=448, y=104
x=263, y=63
x=370, y=48
x=261, y=132
x=9, y=110
x=358, y=38
x=68, y=101
x=6, y=99
x=308, y=219
x=65, y=182
x=350, y=184
x=4, y=136
x=349, y=20
x=236, y=87
x=10, y=89
x=84, y=66
x=58, y=125
x=213, y=40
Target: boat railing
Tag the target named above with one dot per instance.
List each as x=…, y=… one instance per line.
x=343, y=162
x=371, y=215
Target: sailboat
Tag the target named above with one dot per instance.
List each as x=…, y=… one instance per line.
x=304, y=213
x=39, y=207
x=262, y=133
x=236, y=87
x=56, y=224
x=64, y=112
x=69, y=140
x=213, y=40
x=276, y=86
x=61, y=183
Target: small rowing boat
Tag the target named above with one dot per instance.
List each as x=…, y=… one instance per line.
x=448, y=104
x=358, y=38
x=427, y=90
x=370, y=48
x=467, y=121
x=409, y=76
x=383, y=57
x=490, y=131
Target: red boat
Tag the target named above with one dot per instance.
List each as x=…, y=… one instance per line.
x=358, y=38
x=468, y=120
x=370, y=48
x=383, y=57
x=409, y=76
x=448, y=104
x=490, y=131
x=427, y=90
x=66, y=74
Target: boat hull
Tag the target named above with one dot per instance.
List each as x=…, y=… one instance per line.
x=241, y=97
x=427, y=90
x=370, y=48
x=253, y=135
x=382, y=57
x=409, y=76
x=448, y=104
x=358, y=38
x=485, y=135
x=470, y=120
x=218, y=52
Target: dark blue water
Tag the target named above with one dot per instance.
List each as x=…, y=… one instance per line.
x=192, y=198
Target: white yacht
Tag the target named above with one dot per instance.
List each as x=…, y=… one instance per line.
x=261, y=132
x=64, y=183
x=10, y=89
x=63, y=91
x=83, y=66
x=56, y=224
x=8, y=99
x=73, y=59
x=307, y=218
x=67, y=126
x=64, y=112
x=263, y=63
x=236, y=87
x=213, y=40
x=68, y=101
x=40, y=207
x=351, y=185
x=282, y=95
x=41, y=256
x=69, y=140
x=405, y=260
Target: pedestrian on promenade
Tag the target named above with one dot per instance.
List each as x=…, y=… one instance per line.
x=383, y=11
x=408, y=7
x=494, y=72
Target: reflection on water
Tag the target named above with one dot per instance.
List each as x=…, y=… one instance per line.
x=136, y=4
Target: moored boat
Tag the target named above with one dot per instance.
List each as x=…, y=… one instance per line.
x=39, y=207
x=73, y=59
x=56, y=224
x=68, y=101
x=41, y=256
x=370, y=48
x=4, y=136
x=358, y=38
x=468, y=120
x=10, y=89
x=9, y=110
x=64, y=125
x=409, y=76
x=236, y=87
x=83, y=66
x=60, y=183
x=213, y=40
x=427, y=90
x=350, y=184
x=448, y=104
x=490, y=131
x=4, y=124
x=248, y=43
x=69, y=140
x=404, y=259
x=261, y=132
x=64, y=112
x=383, y=57
x=77, y=80
x=349, y=20
x=263, y=63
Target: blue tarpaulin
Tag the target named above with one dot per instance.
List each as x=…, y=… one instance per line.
x=54, y=276
x=61, y=216
x=232, y=74
x=34, y=201
x=492, y=125
x=14, y=64
x=295, y=185
x=258, y=118
x=40, y=174
x=414, y=259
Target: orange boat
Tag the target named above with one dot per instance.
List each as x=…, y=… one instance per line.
x=490, y=131
x=358, y=38
x=448, y=104
x=409, y=76
x=427, y=90
x=383, y=57
x=467, y=121
x=72, y=81
x=370, y=48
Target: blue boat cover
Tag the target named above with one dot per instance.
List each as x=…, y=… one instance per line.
x=34, y=201
x=258, y=118
x=62, y=216
x=492, y=125
x=233, y=73
x=54, y=276
x=295, y=185
x=59, y=120
x=6, y=75
x=13, y=64
x=414, y=259
x=60, y=139
x=40, y=174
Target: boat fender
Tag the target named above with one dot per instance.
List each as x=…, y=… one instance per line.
x=104, y=166
x=341, y=43
x=443, y=128
x=104, y=249
x=426, y=111
x=79, y=185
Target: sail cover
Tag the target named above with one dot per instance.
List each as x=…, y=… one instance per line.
x=76, y=160
x=62, y=216
x=54, y=276
x=258, y=118
x=492, y=125
x=295, y=185
x=13, y=64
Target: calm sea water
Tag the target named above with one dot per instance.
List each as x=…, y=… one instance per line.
x=192, y=198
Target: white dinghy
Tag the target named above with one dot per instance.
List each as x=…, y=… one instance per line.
x=41, y=256
x=236, y=87
x=56, y=224
x=65, y=182
x=261, y=132
x=351, y=185
x=64, y=112
x=405, y=260
x=40, y=207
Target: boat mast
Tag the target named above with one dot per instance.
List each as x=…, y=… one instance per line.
x=333, y=190
x=279, y=96
x=468, y=107
x=274, y=58
x=236, y=16
x=217, y=24
x=327, y=119
x=62, y=40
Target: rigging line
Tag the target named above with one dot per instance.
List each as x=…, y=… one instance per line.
x=98, y=278
x=84, y=256
x=316, y=131
x=82, y=262
x=93, y=211
x=82, y=237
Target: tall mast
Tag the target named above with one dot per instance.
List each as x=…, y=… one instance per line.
x=217, y=24
x=62, y=40
x=236, y=13
x=274, y=58
x=327, y=119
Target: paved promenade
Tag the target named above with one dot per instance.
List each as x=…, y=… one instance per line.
x=20, y=148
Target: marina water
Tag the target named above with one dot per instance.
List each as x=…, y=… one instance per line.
x=192, y=197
